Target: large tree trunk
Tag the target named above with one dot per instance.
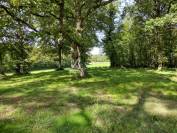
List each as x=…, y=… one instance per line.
x=81, y=64
x=77, y=50
x=77, y=60
x=113, y=59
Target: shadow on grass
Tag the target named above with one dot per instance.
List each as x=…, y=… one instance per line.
x=69, y=100
x=138, y=119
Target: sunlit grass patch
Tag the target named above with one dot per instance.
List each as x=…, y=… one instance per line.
x=99, y=64
x=161, y=107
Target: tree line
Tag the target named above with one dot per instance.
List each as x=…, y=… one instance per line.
x=144, y=36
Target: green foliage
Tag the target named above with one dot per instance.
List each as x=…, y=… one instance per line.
x=144, y=35
x=169, y=18
x=57, y=25
x=43, y=59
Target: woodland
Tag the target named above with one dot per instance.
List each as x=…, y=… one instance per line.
x=141, y=35
x=50, y=82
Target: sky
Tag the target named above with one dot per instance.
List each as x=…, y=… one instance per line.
x=98, y=50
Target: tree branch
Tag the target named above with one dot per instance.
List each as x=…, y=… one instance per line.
x=16, y=18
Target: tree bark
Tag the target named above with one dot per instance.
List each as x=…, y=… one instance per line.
x=77, y=60
x=61, y=31
x=2, y=72
x=59, y=52
x=77, y=48
x=78, y=52
x=81, y=64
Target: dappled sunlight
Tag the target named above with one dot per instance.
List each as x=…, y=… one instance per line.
x=174, y=78
x=161, y=107
x=7, y=111
x=110, y=100
x=166, y=72
x=42, y=71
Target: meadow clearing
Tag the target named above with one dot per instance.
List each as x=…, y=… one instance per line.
x=108, y=101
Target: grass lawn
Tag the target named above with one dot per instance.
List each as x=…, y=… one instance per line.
x=109, y=101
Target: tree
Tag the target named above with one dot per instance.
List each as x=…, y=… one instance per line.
x=82, y=11
x=145, y=35
x=2, y=54
x=109, y=29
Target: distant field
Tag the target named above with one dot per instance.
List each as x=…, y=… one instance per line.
x=99, y=64
x=109, y=101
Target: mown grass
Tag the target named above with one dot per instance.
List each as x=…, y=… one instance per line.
x=109, y=101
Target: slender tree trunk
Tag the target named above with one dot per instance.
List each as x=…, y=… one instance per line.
x=1, y=66
x=59, y=52
x=160, y=49
x=60, y=59
x=171, y=48
x=61, y=31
